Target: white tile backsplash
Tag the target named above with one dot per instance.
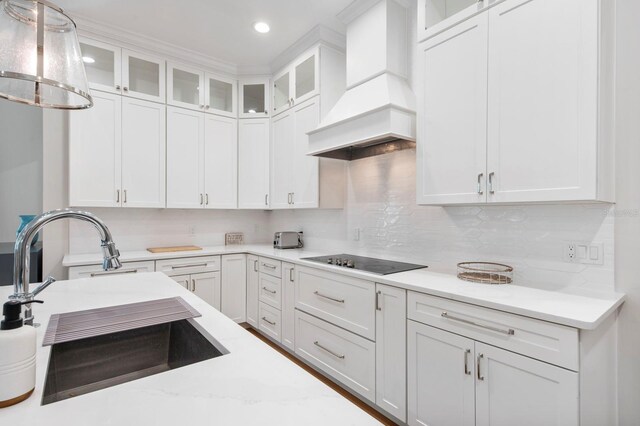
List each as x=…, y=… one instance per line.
x=381, y=203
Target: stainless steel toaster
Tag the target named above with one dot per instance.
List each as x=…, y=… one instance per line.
x=287, y=240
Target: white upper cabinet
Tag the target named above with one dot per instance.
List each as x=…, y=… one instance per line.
x=254, y=98
x=453, y=121
x=543, y=101
x=185, y=140
x=297, y=82
x=113, y=69
x=282, y=159
x=185, y=86
x=143, y=76
x=435, y=16
x=253, y=164
x=102, y=63
x=220, y=162
x=95, y=143
x=515, y=106
x=143, y=153
x=305, y=168
x=221, y=95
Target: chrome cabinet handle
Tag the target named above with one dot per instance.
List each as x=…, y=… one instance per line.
x=266, y=199
x=328, y=350
x=124, y=198
x=378, y=294
x=207, y=107
x=491, y=191
x=467, y=372
x=117, y=87
x=480, y=376
x=117, y=195
x=201, y=199
x=291, y=275
x=327, y=297
x=270, y=322
x=266, y=265
x=206, y=198
x=292, y=195
x=255, y=266
x=480, y=191
x=201, y=106
x=125, y=88
x=508, y=332
x=288, y=198
x=193, y=283
x=270, y=291
x=116, y=272
x=189, y=266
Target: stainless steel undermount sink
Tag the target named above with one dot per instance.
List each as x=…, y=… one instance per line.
x=82, y=366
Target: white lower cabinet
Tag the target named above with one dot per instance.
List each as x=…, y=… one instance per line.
x=453, y=380
x=288, y=306
x=253, y=281
x=270, y=322
x=234, y=286
x=391, y=352
x=95, y=271
x=348, y=358
x=205, y=285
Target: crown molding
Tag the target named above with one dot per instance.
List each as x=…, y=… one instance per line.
x=317, y=34
x=135, y=41
x=358, y=7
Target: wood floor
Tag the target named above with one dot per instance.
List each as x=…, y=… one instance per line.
x=356, y=401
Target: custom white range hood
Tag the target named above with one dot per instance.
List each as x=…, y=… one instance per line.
x=377, y=113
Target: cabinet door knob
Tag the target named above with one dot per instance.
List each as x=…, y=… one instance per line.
x=126, y=89
x=206, y=107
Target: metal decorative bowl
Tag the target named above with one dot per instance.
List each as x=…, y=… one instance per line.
x=485, y=272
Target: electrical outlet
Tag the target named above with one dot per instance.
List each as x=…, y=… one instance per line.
x=587, y=253
x=231, y=238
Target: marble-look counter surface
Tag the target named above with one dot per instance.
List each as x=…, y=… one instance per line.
x=253, y=384
x=573, y=307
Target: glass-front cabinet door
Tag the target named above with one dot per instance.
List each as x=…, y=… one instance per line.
x=282, y=96
x=143, y=76
x=220, y=95
x=254, y=98
x=306, y=78
x=102, y=64
x=185, y=87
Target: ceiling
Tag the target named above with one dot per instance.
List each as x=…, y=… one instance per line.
x=221, y=29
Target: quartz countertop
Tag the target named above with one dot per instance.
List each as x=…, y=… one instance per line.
x=253, y=384
x=571, y=307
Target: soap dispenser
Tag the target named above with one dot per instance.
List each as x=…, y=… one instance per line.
x=17, y=355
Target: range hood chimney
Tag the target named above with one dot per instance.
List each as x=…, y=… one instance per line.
x=377, y=113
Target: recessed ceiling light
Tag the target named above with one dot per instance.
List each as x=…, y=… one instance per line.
x=88, y=60
x=261, y=27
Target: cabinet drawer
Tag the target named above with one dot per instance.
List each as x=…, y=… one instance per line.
x=346, y=302
x=552, y=343
x=348, y=358
x=270, y=291
x=270, y=267
x=95, y=271
x=270, y=321
x=188, y=265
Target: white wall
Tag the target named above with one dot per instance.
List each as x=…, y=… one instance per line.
x=20, y=165
x=627, y=233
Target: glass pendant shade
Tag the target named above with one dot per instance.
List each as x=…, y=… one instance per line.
x=40, y=59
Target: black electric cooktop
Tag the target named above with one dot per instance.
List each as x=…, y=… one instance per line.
x=367, y=264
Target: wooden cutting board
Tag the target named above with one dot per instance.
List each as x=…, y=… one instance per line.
x=172, y=249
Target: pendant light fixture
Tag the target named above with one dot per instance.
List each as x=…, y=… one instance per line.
x=40, y=59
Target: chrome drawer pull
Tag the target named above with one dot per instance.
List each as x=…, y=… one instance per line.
x=270, y=322
x=255, y=266
x=328, y=350
x=480, y=376
x=378, y=294
x=270, y=291
x=266, y=265
x=291, y=275
x=466, y=362
x=327, y=297
x=189, y=266
x=116, y=272
x=508, y=332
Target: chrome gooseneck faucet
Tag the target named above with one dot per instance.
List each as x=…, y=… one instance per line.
x=22, y=251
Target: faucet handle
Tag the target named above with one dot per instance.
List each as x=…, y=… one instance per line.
x=50, y=280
